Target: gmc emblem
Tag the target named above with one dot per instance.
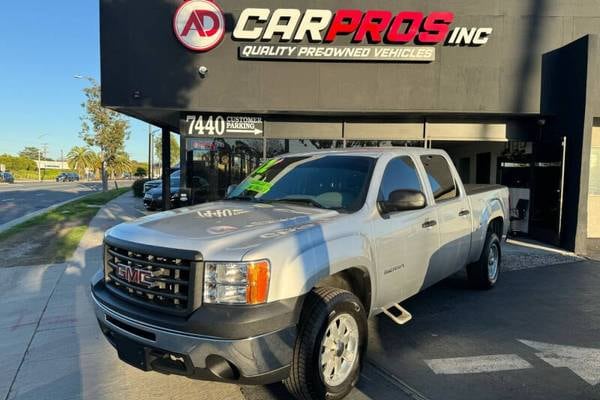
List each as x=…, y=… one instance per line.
x=135, y=275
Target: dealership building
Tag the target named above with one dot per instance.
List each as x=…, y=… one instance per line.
x=509, y=88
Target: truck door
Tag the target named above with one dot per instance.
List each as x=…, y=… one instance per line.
x=404, y=241
x=453, y=217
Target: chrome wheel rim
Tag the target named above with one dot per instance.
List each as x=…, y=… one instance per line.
x=339, y=350
x=493, y=259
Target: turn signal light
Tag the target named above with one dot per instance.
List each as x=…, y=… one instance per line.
x=257, y=288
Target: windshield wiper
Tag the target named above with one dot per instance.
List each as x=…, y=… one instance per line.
x=241, y=198
x=311, y=202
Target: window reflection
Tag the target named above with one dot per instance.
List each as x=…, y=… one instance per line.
x=215, y=164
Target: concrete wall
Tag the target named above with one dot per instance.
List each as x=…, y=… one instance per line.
x=144, y=66
x=593, y=220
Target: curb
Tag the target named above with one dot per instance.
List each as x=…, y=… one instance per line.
x=34, y=214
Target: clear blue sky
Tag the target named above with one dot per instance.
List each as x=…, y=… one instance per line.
x=42, y=45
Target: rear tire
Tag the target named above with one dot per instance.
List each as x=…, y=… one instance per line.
x=328, y=354
x=484, y=273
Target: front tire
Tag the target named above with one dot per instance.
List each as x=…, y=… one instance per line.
x=484, y=273
x=332, y=336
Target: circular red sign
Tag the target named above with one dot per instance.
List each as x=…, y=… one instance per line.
x=199, y=24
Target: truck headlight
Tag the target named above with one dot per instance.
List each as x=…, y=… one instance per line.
x=236, y=282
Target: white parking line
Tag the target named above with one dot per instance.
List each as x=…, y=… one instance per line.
x=585, y=362
x=477, y=365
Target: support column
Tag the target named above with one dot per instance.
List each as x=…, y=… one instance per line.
x=166, y=168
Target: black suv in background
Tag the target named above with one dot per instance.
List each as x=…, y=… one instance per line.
x=153, y=199
x=6, y=177
x=67, y=177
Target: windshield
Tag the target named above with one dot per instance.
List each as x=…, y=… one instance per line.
x=329, y=182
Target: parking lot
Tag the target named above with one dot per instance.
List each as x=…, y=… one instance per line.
x=534, y=336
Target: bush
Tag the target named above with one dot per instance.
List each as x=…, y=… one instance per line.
x=138, y=187
x=13, y=163
x=140, y=172
x=47, y=174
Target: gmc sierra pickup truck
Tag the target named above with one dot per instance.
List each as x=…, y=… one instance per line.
x=276, y=282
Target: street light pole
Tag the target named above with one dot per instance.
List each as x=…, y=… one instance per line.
x=39, y=165
x=151, y=151
x=40, y=157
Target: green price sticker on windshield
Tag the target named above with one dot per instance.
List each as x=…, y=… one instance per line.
x=259, y=186
x=266, y=167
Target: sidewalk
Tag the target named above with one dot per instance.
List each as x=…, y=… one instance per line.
x=50, y=340
x=52, y=347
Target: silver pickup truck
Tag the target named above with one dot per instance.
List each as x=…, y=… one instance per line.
x=276, y=282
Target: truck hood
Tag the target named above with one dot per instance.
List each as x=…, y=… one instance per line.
x=222, y=231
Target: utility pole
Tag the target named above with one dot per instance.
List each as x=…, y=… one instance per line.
x=39, y=164
x=40, y=157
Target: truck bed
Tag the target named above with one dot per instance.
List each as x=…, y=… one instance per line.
x=480, y=188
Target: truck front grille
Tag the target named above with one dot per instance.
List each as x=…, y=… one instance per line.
x=153, y=280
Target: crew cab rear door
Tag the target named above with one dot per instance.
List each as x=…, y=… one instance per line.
x=453, y=217
x=404, y=241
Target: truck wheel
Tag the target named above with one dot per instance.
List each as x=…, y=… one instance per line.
x=484, y=273
x=328, y=353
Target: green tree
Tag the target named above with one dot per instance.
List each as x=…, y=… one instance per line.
x=31, y=152
x=121, y=164
x=96, y=164
x=20, y=163
x=103, y=128
x=174, y=148
x=80, y=158
x=140, y=172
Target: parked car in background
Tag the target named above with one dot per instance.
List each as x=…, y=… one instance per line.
x=153, y=199
x=6, y=177
x=158, y=182
x=67, y=177
x=276, y=282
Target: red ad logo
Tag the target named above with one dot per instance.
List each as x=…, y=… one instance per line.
x=199, y=24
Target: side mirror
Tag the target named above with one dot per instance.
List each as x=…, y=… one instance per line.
x=230, y=189
x=403, y=200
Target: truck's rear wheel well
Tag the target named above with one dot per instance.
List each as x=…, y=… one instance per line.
x=354, y=280
x=497, y=226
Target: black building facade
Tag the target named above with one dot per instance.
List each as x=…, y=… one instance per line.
x=509, y=88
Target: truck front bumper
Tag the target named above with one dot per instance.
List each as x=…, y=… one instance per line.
x=259, y=360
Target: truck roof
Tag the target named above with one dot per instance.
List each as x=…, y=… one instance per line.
x=374, y=152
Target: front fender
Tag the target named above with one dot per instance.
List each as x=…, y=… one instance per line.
x=297, y=272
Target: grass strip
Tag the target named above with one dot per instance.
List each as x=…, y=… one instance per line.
x=52, y=237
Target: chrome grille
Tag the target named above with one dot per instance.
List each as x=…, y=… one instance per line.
x=154, y=280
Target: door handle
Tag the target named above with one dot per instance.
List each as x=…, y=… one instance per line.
x=464, y=213
x=429, y=224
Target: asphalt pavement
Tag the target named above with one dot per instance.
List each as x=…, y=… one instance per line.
x=536, y=335
x=20, y=199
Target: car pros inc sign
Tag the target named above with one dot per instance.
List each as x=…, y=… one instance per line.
x=324, y=34
x=199, y=25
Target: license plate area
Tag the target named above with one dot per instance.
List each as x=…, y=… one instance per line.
x=132, y=352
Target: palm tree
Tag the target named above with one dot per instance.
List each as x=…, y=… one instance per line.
x=96, y=164
x=80, y=159
x=120, y=165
